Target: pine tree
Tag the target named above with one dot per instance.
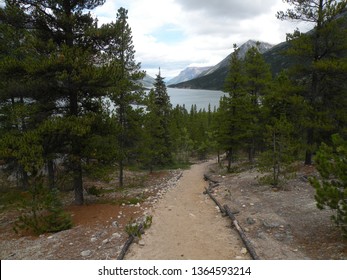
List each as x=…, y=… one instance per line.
x=65, y=77
x=126, y=90
x=180, y=134
x=159, y=145
x=234, y=115
x=320, y=65
x=283, y=109
x=258, y=82
x=331, y=188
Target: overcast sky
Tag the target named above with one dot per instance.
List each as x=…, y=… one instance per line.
x=175, y=34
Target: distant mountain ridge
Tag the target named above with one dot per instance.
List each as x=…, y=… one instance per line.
x=188, y=74
x=213, y=78
x=147, y=82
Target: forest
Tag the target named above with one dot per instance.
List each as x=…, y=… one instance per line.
x=72, y=105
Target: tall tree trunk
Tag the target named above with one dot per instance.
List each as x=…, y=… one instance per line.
x=314, y=94
x=51, y=176
x=78, y=183
x=308, y=156
x=24, y=178
x=121, y=173
x=230, y=158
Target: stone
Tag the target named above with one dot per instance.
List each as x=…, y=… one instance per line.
x=250, y=221
x=86, y=253
x=141, y=243
x=243, y=251
x=115, y=224
x=117, y=235
x=105, y=241
x=270, y=225
x=93, y=239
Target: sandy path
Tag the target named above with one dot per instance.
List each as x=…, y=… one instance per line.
x=186, y=225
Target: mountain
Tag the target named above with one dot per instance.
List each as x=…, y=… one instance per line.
x=147, y=82
x=263, y=47
x=188, y=74
x=214, y=77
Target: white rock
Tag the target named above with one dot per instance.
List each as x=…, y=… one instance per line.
x=86, y=253
x=105, y=241
x=93, y=239
x=117, y=235
x=243, y=251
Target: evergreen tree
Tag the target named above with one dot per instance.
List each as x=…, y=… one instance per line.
x=18, y=104
x=258, y=82
x=320, y=65
x=234, y=115
x=158, y=118
x=64, y=77
x=126, y=90
x=331, y=187
x=180, y=134
x=283, y=109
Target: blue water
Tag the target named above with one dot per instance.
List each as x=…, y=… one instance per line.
x=189, y=97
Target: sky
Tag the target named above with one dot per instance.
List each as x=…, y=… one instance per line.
x=175, y=34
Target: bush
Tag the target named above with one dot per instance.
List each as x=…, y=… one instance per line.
x=136, y=228
x=43, y=212
x=331, y=190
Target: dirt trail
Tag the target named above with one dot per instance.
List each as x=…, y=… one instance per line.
x=187, y=225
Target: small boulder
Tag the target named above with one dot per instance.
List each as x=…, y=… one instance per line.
x=86, y=253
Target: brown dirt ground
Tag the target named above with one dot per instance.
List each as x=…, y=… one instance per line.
x=186, y=226
x=281, y=224
x=99, y=225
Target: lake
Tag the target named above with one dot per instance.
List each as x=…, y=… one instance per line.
x=189, y=97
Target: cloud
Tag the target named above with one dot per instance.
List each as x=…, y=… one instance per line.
x=174, y=34
x=228, y=9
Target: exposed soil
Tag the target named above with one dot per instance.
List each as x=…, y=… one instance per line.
x=99, y=225
x=186, y=225
x=281, y=223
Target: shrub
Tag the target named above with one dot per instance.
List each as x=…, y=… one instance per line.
x=331, y=189
x=43, y=212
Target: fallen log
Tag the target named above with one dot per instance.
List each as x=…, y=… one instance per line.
x=241, y=233
x=129, y=241
x=208, y=178
x=126, y=247
x=221, y=208
x=212, y=185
